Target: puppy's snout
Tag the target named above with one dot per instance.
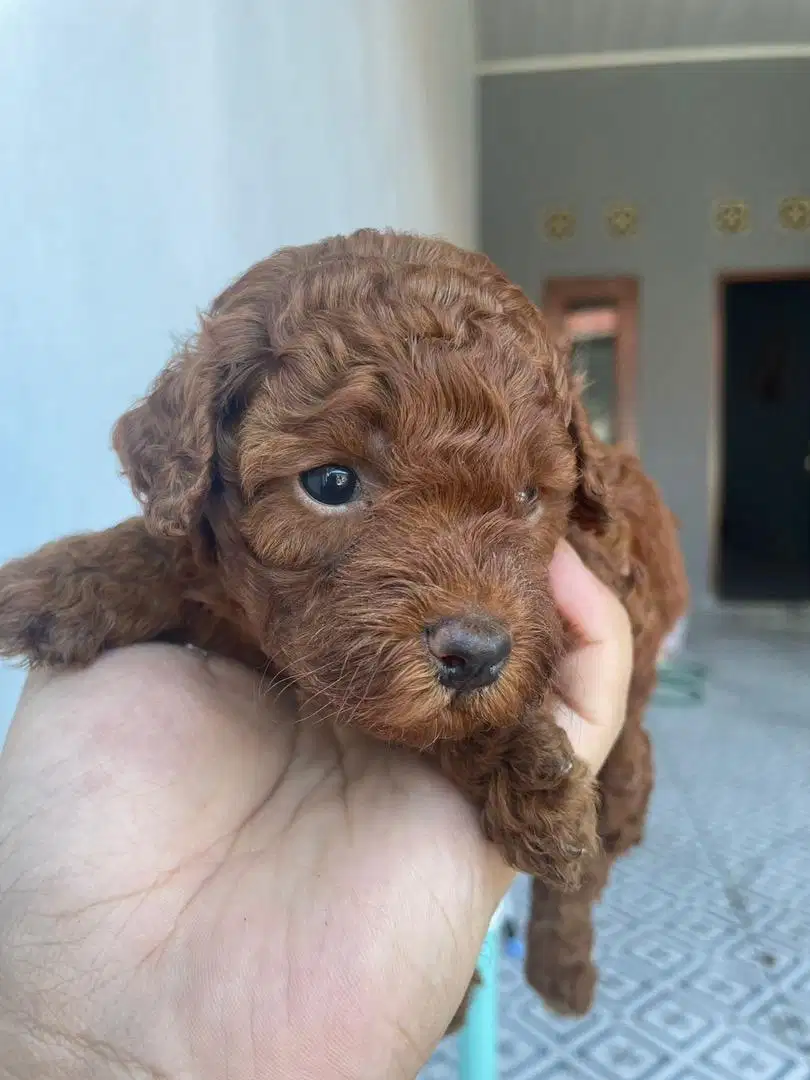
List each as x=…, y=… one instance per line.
x=470, y=651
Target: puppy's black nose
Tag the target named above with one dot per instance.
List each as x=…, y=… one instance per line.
x=470, y=651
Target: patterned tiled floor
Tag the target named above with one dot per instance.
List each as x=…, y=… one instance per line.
x=704, y=934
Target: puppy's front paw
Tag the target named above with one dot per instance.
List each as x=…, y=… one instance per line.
x=538, y=803
x=540, y=807
x=544, y=825
x=30, y=631
x=50, y=614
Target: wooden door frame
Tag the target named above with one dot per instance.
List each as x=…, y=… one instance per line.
x=717, y=422
x=624, y=293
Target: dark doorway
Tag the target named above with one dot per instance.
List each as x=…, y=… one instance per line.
x=765, y=525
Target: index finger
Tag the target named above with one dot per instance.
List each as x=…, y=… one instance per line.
x=588, y=604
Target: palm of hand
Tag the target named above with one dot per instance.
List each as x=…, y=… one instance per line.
x=218, y=890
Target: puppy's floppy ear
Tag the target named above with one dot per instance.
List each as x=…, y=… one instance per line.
x=167, y=442
x=592, y=510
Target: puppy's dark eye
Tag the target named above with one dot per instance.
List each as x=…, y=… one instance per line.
x=332, y=485
x=528, y=497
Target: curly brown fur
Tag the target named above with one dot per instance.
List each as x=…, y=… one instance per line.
x=423, y=369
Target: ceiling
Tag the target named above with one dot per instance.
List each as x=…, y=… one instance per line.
x=514, y=29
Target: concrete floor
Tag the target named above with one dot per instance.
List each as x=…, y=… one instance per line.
x=704, y=934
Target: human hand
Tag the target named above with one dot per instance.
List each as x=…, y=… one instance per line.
x=195, y=884
x=596, y=676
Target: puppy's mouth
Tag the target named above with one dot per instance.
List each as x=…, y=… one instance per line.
x=447, y=678
x=452, y=677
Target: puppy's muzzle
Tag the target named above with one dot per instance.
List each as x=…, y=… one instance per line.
x=469, y=651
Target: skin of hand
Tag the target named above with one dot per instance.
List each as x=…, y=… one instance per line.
x=195, y=884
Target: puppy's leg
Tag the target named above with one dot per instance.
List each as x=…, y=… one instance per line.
x=626, y=783
x=72, y=599
x=560, y=938
x=537, y=801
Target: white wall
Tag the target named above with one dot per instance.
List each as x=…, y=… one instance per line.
x=149, y=151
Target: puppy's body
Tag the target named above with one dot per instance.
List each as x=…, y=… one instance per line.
x=358, y=471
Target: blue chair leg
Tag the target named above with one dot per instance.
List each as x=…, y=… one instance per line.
x=478, y=1039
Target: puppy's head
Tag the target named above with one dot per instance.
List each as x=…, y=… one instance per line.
x=379, y=447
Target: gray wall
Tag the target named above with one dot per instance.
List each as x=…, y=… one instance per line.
x=672, y=140
x=150, y=151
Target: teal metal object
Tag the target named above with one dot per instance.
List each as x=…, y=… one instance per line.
x=478, y=1039
x=680, y=682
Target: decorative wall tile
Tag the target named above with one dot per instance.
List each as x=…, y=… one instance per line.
x=794, y=213
x=560, y=225
x=622, y=220
x=732, y=217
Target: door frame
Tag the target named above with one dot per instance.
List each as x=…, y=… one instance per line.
x=624, y=293
x=717, y=423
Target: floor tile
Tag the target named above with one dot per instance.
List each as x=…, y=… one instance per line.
x=703, y=936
